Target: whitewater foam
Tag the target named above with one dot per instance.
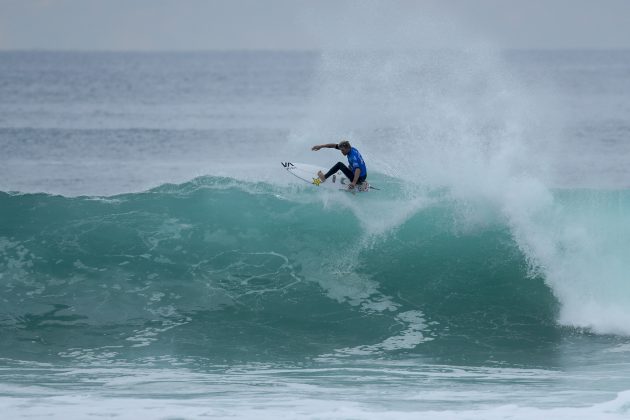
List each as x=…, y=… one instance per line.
x=460, y=122
x=329, y=392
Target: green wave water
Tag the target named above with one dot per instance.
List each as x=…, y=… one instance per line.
x=235, y=271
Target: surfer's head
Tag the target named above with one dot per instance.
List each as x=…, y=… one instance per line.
x=344, y=146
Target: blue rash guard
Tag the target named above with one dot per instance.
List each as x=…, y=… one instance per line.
x=355, y=160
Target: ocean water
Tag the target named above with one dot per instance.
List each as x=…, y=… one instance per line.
x=156, y=261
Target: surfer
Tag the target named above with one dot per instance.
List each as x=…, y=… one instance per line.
x=356, y=173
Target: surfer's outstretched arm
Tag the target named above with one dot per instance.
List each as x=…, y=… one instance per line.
x=320, y=146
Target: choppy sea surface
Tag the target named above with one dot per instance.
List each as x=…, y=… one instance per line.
x=157, y=261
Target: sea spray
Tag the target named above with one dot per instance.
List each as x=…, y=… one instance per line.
x=461, y=122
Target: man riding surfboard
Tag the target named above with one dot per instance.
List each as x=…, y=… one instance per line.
x=356, y=173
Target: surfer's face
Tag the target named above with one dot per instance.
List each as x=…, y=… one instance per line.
x=345, y=151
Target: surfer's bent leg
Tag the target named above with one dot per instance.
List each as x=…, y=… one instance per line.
x=340, y=167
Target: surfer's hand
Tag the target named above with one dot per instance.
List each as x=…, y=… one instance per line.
x=316, y=148
x=351, y=187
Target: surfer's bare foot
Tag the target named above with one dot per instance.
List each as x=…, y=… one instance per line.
x=321, y=176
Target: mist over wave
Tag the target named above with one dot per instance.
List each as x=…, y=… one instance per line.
x=466, y=122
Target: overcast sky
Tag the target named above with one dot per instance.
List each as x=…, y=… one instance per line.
x=311, y=24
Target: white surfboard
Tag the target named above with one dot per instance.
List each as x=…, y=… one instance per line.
x=308, y=174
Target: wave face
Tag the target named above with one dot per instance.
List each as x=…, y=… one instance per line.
x=231, y=270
